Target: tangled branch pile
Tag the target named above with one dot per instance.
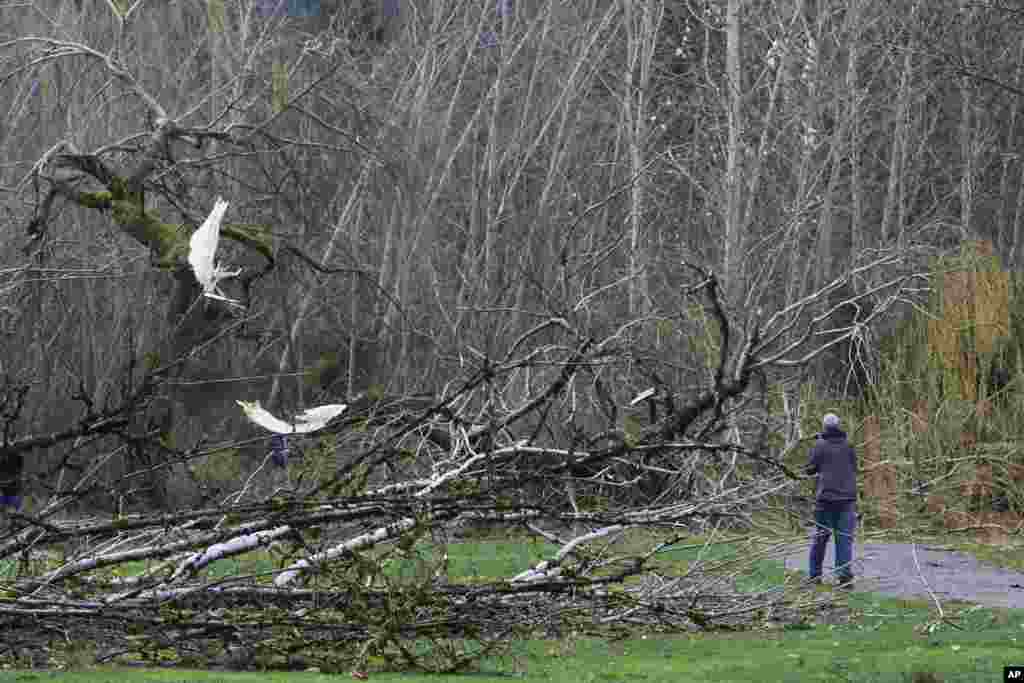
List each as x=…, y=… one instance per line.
x=359, y=573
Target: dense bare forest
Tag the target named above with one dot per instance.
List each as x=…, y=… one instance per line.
x=576, y=269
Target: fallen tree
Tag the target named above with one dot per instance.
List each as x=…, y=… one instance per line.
x=359, y=547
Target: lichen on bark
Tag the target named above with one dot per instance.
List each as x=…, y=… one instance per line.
x=169, y=242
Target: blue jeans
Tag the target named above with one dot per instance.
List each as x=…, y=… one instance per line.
x=839, y=519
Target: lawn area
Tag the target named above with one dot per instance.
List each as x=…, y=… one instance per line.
x=883, y=648
x=883, y=644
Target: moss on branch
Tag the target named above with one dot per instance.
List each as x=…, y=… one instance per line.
x=252, y=235
x=95, y=200
x=169, y=242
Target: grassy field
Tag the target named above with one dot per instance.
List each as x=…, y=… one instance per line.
x=883, y=648
x=884, y=643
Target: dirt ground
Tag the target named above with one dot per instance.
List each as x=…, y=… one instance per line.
x=890, y=569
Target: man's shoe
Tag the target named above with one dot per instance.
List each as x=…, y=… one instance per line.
x=846, y=583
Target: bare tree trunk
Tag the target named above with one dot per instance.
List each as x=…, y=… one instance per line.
x=801, y=263
x=826, y=224
x=213, y=35
x=894, y=193
x=843, y=139
x=642, y=35
x=967, y=156
x=493, y=203
x=755, y=175
x=733, y=154
x=1006, y=238
x=857, y=241
x=1000, y=238
x=1017, y=220
x=633, y=114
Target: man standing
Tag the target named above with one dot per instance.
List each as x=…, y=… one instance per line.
x=279, y=454
x=835, y=510
x=11, y=465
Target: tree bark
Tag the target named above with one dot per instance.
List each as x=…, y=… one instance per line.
x=733, y=256
x=1006, y=236
x=641, y=40
x=894, y=192
x=857, y=240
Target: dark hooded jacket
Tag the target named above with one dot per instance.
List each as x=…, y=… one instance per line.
x=11, y=465
x=835, y=462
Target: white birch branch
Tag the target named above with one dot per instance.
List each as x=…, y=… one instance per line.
x=230, y=548
x=359, y=542
x=549, y=568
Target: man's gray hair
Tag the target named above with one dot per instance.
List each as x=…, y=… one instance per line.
x=831, y=420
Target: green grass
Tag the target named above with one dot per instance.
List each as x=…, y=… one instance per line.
x=484, y=560
x=884, y=644
x=878, y=649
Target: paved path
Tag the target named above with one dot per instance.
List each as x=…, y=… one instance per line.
x=889, y=569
